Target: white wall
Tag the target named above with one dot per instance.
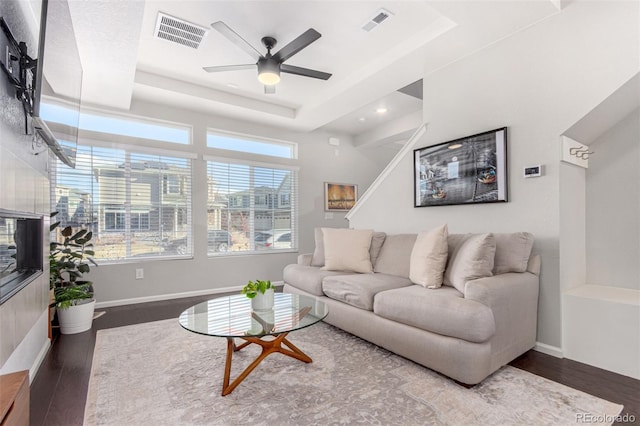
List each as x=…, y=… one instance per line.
x=573, y=269
x=538, y=82
x=318, y=162
x=613, y=207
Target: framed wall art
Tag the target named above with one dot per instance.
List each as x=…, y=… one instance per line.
x=468, y=170
x=339, y=197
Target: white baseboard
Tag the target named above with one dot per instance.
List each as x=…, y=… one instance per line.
x=159, y=297
x=32, y=350
x=39, y=358
x=548, y=349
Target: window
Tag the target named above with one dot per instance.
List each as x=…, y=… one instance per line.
x=136, y=204
x=245, y=200
x=115, y=221
x=124, y=126
x=250, y=144
x=172, y=184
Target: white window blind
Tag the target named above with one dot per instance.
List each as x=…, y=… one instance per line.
x=136, y=204
x=254, y=203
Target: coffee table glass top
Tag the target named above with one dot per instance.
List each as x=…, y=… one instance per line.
x=232, y=316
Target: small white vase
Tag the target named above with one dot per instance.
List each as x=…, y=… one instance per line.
x=76, y=318
x=263, y=302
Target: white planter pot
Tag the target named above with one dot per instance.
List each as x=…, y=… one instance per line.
x=78, y=318
x=263, y=302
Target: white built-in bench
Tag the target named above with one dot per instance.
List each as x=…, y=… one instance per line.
x=602, y=327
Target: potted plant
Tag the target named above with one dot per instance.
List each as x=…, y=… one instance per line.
x=68, y=261
x=261, y=294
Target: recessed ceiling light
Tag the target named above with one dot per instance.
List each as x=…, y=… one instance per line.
x=232, y=85
x=454, y=146
x=381, y=110
x=362, y=119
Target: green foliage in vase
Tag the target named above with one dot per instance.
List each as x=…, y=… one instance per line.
x=253, y=287
x=68, y=261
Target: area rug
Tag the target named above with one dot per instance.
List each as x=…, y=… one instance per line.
x=160, y=374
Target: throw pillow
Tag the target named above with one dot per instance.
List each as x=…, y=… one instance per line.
x=347, y=249
x=318, y=253
x=376, y=245
x=471, y=259
x=395, y=255
x=429, y=258
x=512, y=252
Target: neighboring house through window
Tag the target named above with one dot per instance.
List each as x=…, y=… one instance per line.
x=133, y=200
x=252, y=200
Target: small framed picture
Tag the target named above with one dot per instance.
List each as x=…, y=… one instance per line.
x=339, y=197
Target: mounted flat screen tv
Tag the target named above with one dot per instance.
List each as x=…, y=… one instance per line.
x=468, y=170
x=58, y=85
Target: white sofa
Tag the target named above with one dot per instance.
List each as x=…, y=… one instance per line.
x=466, y=335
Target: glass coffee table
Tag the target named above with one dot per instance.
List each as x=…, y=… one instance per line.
x=231, y=317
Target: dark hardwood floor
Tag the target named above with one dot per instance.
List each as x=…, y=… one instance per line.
x=59, y=390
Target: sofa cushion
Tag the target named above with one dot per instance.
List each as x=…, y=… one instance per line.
x=318, y=254
x=512, y=252
x=429, y=258
x=359, y=290
x=307, y=278
x=470, y=257
x=443, y=311
x=395, y=255
x=347, y=249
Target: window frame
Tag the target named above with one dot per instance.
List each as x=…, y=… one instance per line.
x=293, y=205
x=293, y=146
x=129, y=151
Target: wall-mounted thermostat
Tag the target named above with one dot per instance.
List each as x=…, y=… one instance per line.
x=533, y=171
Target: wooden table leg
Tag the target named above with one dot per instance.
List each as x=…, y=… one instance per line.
x=297, y=353
x=268, y=347
x=227, y=367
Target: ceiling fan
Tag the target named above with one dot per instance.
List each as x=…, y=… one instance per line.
x=269, y=66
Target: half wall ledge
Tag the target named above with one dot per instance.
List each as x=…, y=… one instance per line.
x=602, y=327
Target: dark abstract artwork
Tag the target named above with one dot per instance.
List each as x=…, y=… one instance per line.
x=463, y=171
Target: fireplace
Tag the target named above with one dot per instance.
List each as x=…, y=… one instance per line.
x=21, y=251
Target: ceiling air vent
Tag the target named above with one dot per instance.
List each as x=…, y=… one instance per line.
x=377, y=19
x=179, y=31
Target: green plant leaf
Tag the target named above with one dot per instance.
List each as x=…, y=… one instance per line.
x=252, y=288
x=70, y=259
x=65, y=296
x=66, y=232
x=79, y=234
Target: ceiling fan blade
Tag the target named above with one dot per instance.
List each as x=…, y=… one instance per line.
x=306, y=72
x=297, y=45
x=229, y=68
x=269, y=90
x=224, y=29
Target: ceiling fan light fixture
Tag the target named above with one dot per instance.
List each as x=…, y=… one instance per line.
x=268, y=72
x=269, y=78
